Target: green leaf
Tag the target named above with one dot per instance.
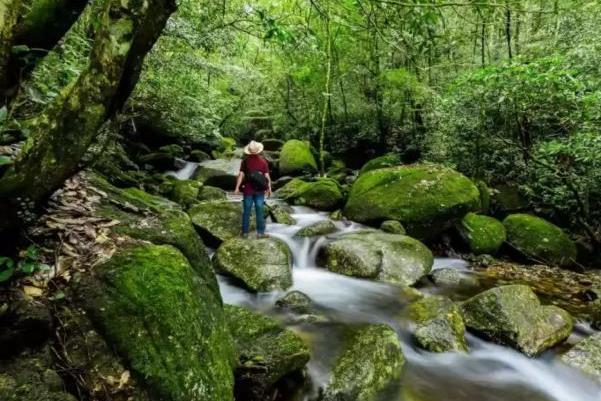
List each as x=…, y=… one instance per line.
x=6, y=274
x=20, y=49
x=27, y=267
x=5, y=160
x=32, y=252
x=58, y=296
x=6, y=261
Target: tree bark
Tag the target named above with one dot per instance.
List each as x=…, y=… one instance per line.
x=63, y=132
x=9, y=17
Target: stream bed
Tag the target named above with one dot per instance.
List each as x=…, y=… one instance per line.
x=487, y=373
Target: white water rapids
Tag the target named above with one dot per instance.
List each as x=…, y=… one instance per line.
x=487, y=373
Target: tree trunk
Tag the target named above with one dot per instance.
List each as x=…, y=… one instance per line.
x=9, y=16
x=63, y=132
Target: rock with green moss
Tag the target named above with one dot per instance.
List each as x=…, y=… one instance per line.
x=221, y=173
x=512, y=315
x=388, y=160
x=324, y=227
x=151, y=218
x=483, y=234
x=391, y=258
x=392, y=227
x=586, y=356
x=266, y=353
x=426, y=199
x=440, y=326
x=296, y=301
x=261, y=264
x=337, y=215
x=485, y=196
x=281, y=214
x=322, y=194
x=30, y=377
x=163, y=319
x=198, y=156
x=540, y=240
x=173, y=149
x=217, y=221
x=208, y=193
x=506, y=199
x=371, y=359
x=296, y=158
x=185, y=192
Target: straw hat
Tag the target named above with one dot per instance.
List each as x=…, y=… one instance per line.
x=253, y=148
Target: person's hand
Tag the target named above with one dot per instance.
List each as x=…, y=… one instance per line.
x=269, y=192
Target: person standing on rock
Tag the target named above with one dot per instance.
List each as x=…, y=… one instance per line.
x=255, y=182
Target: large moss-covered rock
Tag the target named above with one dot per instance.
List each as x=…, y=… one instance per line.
x=322, y=194
x=426, y=199
x=392, y=227
x=392, y=258
x=388, y=160
x=296, y=158
x=163, y=319
x=219, y=173
x=266, y=353
x=261, y=264
x=217, y=221
x=586, y=356
x=440, y=326
x=31, y=376
x=540, y=240
x=483, y=234
x=185, y=192
x=208, y=193
x=324, y=227
x=370, y=360
x=151, y=218
x=512, y=315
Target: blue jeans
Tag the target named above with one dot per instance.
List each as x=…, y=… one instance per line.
x=247, y=203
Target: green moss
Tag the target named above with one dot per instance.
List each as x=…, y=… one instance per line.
x=425, y=198
x=512, y=315
x=322, y=194
x=281, y=214
x=440, y=326
x=208, y=193
x=540, y=240
x=391, y=258
x=261, y=264
x=483, y=234
x=217, y=221
x=296, y=158
x=508, y=199
x=185, y=192
x=586, y=356
x=388, y=160
x=164, y=320
x=266, y=352
x=485, y=197
x=155, y=219
x=324, y=227
x=371, y=359
x=392, y=227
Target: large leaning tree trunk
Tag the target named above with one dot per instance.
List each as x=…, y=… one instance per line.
x=63, y=132
x=33, y=24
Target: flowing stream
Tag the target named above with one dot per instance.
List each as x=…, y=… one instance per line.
x=487, y=373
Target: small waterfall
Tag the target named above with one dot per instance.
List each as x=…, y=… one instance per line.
x=186, y=172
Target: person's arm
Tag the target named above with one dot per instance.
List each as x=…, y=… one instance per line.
x=268, y=184
x=239, y=182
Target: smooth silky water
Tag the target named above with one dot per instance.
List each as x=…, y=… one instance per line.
x=487, y=373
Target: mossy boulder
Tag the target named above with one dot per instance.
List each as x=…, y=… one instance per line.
x=296, y=301
x=512, y=315
x=208, y=193
x=391, y=258
x=324, y=227
x=426, y=199
x=151, y=218
x=158, y=160
x=392, y=227
x=296, y=158
x=217, y=221
x=261, y=264
x=586, y=356
x=198, y=156
x=483, y=234
x=388, y=160
x=281, y=214
x=266, y=353
x=322, y=194
x=173, y=149
x=440, y=326
x=163, y=319
x=185, y=192
x=221, y=173
x=540, y=240
x=371, y=359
